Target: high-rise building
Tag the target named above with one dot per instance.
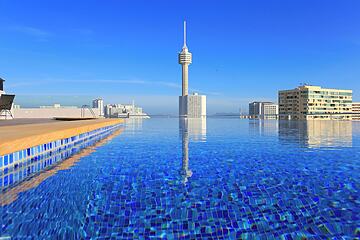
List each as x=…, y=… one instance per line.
x=356, y=110
x=99, y=104
x=263, y=110
x=313, y=102
x=191, y=106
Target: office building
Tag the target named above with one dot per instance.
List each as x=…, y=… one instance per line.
x=99, y=104
x=313, y=102
x=191, y=106
x=356, y=110
x=263, y=110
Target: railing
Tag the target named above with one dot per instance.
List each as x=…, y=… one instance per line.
x=83, y=111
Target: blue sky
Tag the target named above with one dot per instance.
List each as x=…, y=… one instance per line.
x=72, y=51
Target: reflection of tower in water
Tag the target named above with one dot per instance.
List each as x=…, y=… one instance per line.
x=185, y=171
x=194, y=129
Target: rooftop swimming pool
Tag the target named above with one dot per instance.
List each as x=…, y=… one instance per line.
x=210, y=179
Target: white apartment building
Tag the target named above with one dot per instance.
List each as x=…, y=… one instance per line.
x=192, y=106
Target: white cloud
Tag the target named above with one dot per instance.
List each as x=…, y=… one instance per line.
x=36, y=32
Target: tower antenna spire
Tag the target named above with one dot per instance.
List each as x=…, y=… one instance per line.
x=184, y=34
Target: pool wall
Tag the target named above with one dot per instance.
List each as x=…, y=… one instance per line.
x=35, y=158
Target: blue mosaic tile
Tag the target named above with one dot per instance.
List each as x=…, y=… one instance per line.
x=236, y=179
x=6, y=160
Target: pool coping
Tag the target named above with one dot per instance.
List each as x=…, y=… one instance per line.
x=19, y=137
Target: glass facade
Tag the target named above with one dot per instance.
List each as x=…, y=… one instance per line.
x=314, y=102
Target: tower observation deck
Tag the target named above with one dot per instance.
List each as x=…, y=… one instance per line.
x=185, y=59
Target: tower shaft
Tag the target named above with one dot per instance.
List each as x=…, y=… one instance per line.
x=185, y=79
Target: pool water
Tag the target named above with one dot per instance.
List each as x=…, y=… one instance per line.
x=211, y=178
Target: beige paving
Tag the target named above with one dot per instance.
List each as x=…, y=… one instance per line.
x=18, y=137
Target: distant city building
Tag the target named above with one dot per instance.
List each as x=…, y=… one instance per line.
x=99, y=104
x=313, y=102
x=254, y=109
x=191, y=106
x=263, y=110
x=124, y=111
x=356, y=110
x=57, y=105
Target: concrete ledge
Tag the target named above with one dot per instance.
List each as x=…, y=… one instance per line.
x=19, y=137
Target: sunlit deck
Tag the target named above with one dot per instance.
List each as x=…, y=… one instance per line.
x=20, y=134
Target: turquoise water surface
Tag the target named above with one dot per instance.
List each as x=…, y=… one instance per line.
x=193, y=179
